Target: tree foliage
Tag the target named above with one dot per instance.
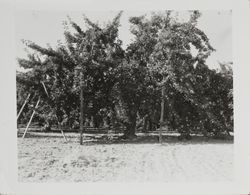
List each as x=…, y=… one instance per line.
x=123, y=86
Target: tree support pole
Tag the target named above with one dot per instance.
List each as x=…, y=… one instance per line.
x=25, y=102
x=31, y=118
x=60, y=127
x=162, y=113
x=59, y=124
x=81, y=110
x=45, y=89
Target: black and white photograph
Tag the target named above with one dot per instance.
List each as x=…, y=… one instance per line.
x=124, y=96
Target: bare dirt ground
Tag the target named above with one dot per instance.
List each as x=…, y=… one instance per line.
x=49, y=158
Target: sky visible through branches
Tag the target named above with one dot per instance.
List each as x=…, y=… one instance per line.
x=45, y=27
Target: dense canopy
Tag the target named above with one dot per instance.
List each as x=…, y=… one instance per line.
x=157, y=75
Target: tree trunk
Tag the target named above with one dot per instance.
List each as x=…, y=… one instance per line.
x=145, y=120
x=131, y=127
x=129, y=131
x=150, y=125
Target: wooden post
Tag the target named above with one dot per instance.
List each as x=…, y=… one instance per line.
x=45, y=89
x=60, y=127
x=162, y=113
x=81, y=109
x=59, y=124
x=31, y=118
x=26, y=100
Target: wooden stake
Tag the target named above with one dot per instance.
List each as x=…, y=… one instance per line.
x=26, y=100
x=59, y=124
x=60, y=127
x=31, y=118
x=162, y=113
x=81, y=116
x=81, y=109
x=45, y=89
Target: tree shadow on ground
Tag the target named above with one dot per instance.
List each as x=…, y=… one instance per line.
x=97, y=139
x=168, y=139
